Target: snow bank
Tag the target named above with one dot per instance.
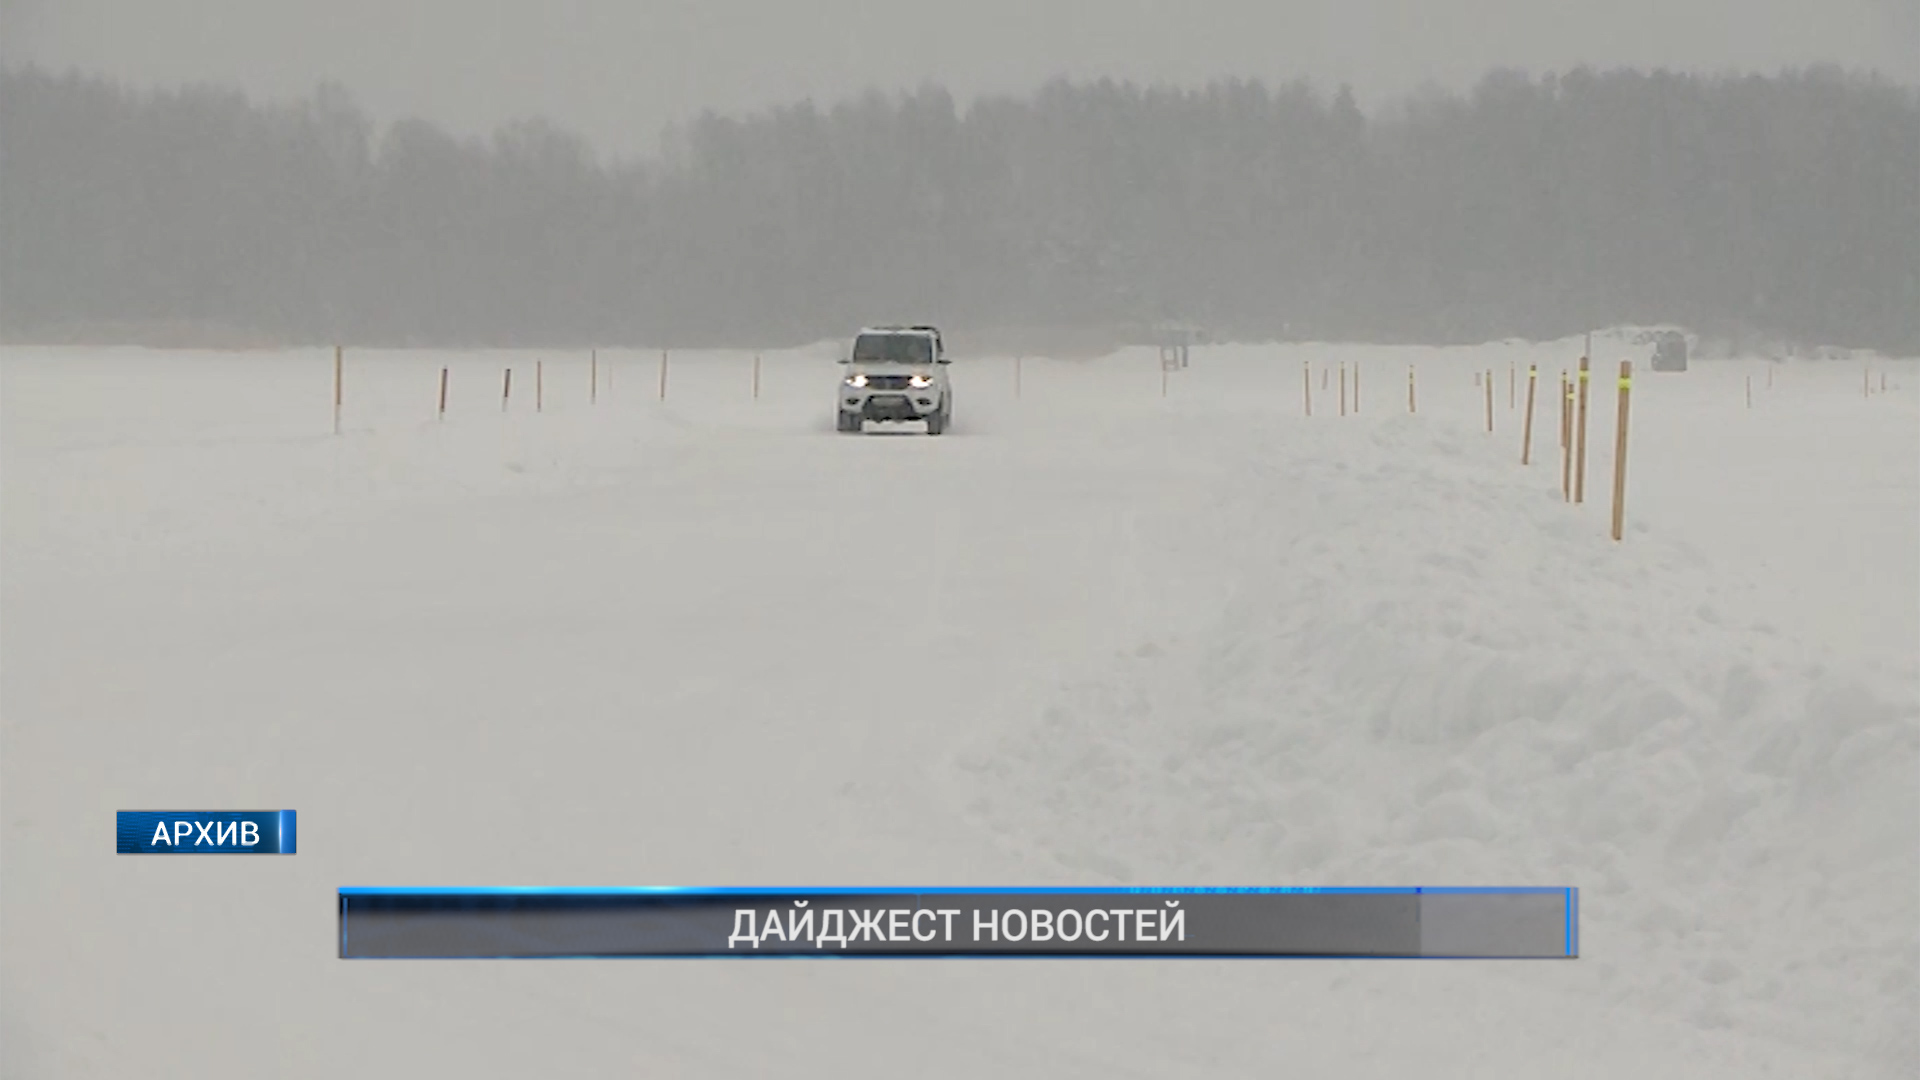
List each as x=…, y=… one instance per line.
x=1431, y=669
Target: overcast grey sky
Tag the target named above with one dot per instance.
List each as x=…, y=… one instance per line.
x=619, y=70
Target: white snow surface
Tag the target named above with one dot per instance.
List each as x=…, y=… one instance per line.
x=1095, y=635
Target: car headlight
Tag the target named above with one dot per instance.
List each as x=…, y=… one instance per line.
x=920, y=382
x=856, y=380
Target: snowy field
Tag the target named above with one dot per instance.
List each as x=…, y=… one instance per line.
x=1095, y=635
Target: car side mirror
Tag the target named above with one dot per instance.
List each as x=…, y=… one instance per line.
x=944, y=360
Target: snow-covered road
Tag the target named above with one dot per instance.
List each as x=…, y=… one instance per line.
x=1094, y=637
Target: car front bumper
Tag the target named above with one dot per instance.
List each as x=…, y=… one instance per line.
x=891, y=404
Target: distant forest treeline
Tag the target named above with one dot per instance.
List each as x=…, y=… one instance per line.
x=1786, y=206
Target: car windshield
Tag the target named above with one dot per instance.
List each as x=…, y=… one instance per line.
x=893, y=349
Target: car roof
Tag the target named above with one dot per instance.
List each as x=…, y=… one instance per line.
x=926, y=330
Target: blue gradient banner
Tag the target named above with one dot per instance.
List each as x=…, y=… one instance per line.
x=205, y=832
x=556, y=923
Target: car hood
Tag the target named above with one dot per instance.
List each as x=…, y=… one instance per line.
x=890, y=369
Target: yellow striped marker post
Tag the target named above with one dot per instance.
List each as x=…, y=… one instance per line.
x=1580, y=439
x=1620, y=452
x=1566, y=437
x=1526, y=422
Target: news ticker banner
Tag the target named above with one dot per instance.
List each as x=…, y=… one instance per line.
x=559, y=923
x=205, y=832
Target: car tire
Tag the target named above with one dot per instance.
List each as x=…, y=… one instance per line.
x=937, y=420
x=849, y=422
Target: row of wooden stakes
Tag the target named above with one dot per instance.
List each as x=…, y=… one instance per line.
x=1573, y=421
x=506, y=383
x=1326, y=375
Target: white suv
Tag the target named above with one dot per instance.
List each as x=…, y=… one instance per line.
x=896, y=373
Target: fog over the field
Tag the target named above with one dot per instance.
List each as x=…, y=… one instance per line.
x=618, y=72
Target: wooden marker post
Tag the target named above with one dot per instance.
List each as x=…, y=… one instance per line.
x=506, y=388
x=1526, y=422
x=1580, y=440
x=1566, y=437
x=337, y=389
x=1620, y=451
x=1343, y=388
x=443, y=393
x=756, y=376
x=1489, y=387
x=539, y=386
x=663, y=374
x=1410, y=403
x=593, y=376
x=1326, y=378
x=1306, y=387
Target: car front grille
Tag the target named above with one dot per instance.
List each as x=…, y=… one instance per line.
x=887, y=382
